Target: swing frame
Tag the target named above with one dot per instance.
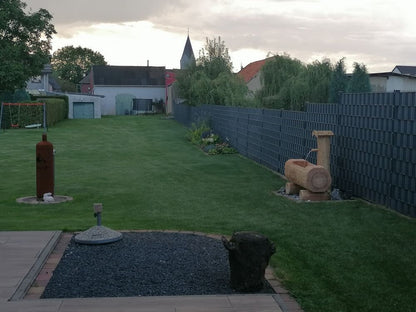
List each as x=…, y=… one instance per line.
x=24, y=104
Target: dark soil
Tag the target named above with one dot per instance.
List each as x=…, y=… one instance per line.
x=143, y=264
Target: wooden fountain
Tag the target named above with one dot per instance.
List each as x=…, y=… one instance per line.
x=312, y=182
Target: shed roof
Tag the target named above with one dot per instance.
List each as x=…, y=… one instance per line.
x=107, y=75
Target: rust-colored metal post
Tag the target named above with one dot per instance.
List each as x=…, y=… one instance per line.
x=44, y=168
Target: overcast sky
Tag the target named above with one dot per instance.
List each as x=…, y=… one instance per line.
x=378, y=33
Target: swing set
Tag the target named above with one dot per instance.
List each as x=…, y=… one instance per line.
x=16, y=123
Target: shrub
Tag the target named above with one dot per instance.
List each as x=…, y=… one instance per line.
x=208, y=141
x=196, y=132
x=56, y=108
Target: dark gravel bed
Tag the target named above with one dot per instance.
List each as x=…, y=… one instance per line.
x=143, y=264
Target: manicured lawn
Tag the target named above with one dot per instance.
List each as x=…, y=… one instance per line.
x=348, y=256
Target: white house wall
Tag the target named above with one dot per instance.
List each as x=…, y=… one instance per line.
x=391, y=83
x=403, y=84
x=108, y=103
x=255, y=83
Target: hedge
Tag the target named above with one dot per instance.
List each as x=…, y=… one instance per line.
x=56, y=109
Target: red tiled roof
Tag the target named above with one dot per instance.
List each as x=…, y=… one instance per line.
x=248, y=72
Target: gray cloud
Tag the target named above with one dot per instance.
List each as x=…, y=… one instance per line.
x=93, y=11
x=376, y=38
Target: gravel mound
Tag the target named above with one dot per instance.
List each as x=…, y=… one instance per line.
x=143, y=264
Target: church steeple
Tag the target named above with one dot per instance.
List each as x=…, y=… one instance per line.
x=188, y=56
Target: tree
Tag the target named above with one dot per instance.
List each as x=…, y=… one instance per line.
x=360, y=81
x=289, y=84
x=214, y=58
x=339, y=81
x=285, y=83
x=318, y=77
x=211, y=80
x=71, y=64
x=276, y=72
x=25, y=43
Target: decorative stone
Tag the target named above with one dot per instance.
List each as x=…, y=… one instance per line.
x=47, y=197
x=249, y=255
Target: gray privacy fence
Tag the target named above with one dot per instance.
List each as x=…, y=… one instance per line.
x=373, y=151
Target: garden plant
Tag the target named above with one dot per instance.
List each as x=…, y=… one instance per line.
x=212, y=144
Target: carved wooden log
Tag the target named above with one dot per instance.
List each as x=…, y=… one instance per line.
x=312, y=177
x=249, y=255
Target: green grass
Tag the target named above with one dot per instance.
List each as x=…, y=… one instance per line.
x=348, y=256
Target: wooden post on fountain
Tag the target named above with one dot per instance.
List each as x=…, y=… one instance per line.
x=324, y=147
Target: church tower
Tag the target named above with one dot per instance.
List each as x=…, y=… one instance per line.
x=188, y=56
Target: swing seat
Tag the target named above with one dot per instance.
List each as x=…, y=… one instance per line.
x=33, y=126
x=14, y=123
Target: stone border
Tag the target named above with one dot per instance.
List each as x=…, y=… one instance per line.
x=286, y=302
x=27, y=281
x=33, y=200
x=46, y=272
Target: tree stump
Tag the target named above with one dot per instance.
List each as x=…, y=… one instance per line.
x=249, y=254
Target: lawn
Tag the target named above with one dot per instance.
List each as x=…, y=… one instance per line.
x=349, y=256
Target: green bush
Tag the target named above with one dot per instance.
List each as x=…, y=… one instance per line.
x=56, y=108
